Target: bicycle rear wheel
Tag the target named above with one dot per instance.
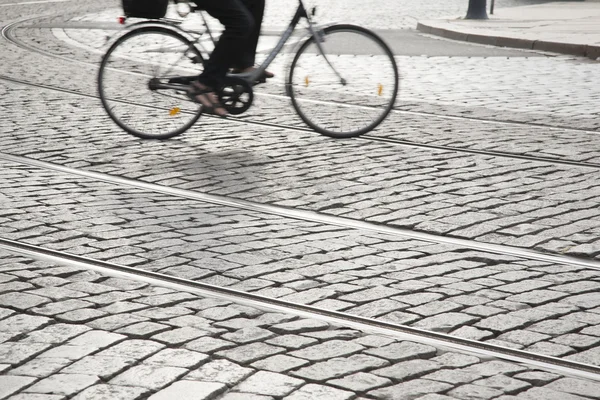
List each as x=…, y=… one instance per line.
x=351, y=89
x=143, y=80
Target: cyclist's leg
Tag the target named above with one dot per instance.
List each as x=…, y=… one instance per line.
x=239, y=24
x=247, y=57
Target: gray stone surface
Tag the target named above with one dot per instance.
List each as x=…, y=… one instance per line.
x=190, y=390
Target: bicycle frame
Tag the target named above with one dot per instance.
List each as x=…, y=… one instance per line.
x=254, y=76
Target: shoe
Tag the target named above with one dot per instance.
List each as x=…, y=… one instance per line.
x=261, y=79
x=207, y=97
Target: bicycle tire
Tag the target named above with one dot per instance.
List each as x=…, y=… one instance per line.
x=311, y=80
x=126, y=90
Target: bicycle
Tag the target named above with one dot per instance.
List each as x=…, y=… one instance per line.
x=342, y=80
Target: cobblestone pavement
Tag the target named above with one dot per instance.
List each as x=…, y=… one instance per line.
x=538, y=306
x=59, y=323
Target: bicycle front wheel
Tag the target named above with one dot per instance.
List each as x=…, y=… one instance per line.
x=345, y=83
x=143, y=80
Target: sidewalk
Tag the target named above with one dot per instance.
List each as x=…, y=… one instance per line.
x=560, y=27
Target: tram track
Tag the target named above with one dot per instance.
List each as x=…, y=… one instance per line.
x=366, y=137
x=481, y=349
x=484, y=350
x=307, y=215
x=7, y=33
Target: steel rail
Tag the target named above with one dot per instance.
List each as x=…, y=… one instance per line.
x=445, y=341
x=306, y=215
x=367, y=137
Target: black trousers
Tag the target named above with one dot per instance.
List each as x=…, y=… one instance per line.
x=237, y=45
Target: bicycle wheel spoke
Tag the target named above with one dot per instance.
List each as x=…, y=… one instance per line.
x=132, y=82
x=351, y=88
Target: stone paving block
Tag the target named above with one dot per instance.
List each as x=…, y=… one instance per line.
x=179, y=336
x=577, y=341
x=111, y=392
x=483, y=311
x=374, y=341
x=410, y=390
x=222, y=371
x=66, y=384
x=279, y=363
x=537, y=378
x=556, y=327
x=41, y=367
x=178, y=358
x=403, y=351
x=135, y=349
x=504, y=383
x=591, y=356
x=338, y=367
x=370, y=294
x=57, y=293
x=400, y=318
x=300, y=326
x=98, y=339
x=166, y=299
x=15, y=287
x=454, y=377
x=407, y=369
x=523, y=337
x=551, y=349
x=89, y=287
x=547, y=394
x=5, y=312
x=22, y=301
x=591, y=330
x=292, y=342
x=34, y=396
x=537, y=297
x=330, y=349
x=360, y=382
x=148, y=376
x=445, y=322
x=490, y=368
x=269, y=384
x=22, y=323
x=377, y=308
x=244, y=396
x=189, y=390
x=586, y=301
x=502, y=323
x=17, y=352
x=341, y=334
x=208, y=344
x=220, y=313
x=248, y=335
x=162, y=313
x=13, y=384
x=474, y=392
x=122, y=307
x=250, y=352
x=70, y=351
x=106, y=299
x=469, y=332
x=81, y=315
x=114, y=322
x=103, y=367
x=313, y=391
x=143, y=329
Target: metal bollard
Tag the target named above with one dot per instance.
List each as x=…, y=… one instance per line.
x=477, y=9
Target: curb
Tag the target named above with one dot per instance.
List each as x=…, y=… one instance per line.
x=581, y=50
